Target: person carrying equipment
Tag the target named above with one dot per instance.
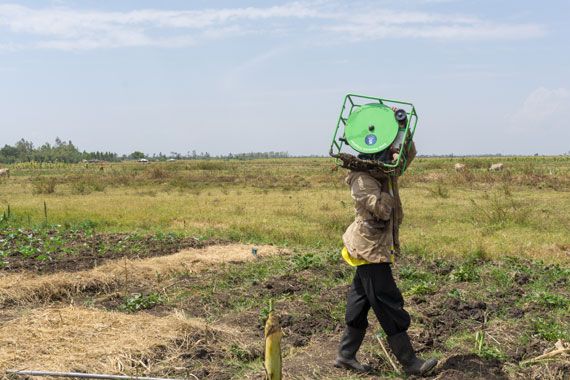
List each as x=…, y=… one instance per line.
x=371, y=242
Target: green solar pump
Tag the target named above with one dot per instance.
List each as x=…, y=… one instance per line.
x=370, y=128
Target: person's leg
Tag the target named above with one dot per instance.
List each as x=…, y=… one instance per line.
x=356, y=318
x=357, y=305
x=384, y=297
x=388, y=304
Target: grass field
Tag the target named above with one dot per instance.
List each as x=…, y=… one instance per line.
x=485, y=265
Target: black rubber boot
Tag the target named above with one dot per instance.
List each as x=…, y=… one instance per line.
x=349, y=344
x=402, y=349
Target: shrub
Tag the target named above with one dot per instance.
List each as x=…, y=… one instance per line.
x=44, y=185
x=157, y=173
x=86, y=185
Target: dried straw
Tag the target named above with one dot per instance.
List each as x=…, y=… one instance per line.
x=23, y=288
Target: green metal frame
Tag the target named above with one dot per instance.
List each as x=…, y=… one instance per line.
x=354, y=101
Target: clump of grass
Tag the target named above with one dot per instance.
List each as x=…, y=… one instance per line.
x=550, y=300
x=306, y=261
x=422, y=288
x=408, y=272
x=210, y=165
x=157, y=173
x=455, y=293
x=499, y=210
x=87, y=185
x=486, y=351
x=264, y=313
x=439, y=191
x=548, y=329
x=337, y=223
x=44, y=185
x=241, y=354
x=466, y=272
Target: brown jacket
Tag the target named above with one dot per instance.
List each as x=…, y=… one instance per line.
x=374, y=234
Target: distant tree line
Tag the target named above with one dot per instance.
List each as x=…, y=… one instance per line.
x=66, y=151
x=60, y=151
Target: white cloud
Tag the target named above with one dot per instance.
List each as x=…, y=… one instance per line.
x=475, y=31
x=66, y=28
x=544, y=109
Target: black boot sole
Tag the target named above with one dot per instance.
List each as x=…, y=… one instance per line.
x=366, y=369
x=423, y=371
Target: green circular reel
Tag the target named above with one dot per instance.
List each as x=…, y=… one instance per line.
x=371, y=128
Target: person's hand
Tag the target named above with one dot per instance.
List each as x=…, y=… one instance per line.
x=394, y=108
x=395, y=156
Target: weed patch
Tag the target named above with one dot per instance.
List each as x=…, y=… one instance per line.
x=44, y=185
x=499, y=210
x=138, y=302
x=549, y=329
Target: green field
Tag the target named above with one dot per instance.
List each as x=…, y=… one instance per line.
x=523, y=210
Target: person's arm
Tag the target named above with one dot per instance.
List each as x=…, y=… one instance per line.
x=367, y=192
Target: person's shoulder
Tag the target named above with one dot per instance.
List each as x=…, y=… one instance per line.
x=356, y=175
x=364, y=180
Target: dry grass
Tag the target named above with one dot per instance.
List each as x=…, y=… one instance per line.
x=95, y=340
x=22, y=288
x=79, y=339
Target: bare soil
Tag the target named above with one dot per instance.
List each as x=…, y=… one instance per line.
x=199, y=331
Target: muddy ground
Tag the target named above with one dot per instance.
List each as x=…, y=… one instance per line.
x=449, y=302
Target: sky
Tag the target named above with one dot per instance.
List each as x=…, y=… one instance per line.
x=486, y=76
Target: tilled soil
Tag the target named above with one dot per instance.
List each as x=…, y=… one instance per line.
x=470, y=367
x=78, y=250
x=445, y=315
x=309, y=317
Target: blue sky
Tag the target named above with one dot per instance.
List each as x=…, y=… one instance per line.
x=486, y=76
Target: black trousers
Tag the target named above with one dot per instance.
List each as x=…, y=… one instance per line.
x=374, y=287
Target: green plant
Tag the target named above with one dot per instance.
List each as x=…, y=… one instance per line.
x=466, y=272
x=422, y=288
x=5, y=217
x=264, y=313
x=307, y=260
x=550, y=300
x=455, y=293
x=408, y=272
x=3, y=262
x=439, y=191
x=240, y=353
x=87, y=184
x=137, y=302
x=499, y=210
x=484, y=350
x=548, y=329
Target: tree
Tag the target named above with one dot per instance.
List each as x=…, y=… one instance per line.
x=136, y=155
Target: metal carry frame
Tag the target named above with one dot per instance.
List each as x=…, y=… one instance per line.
x=343, y=117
